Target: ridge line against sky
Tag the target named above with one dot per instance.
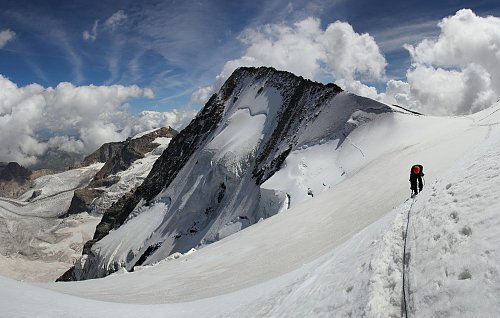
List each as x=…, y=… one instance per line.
x=438, y=58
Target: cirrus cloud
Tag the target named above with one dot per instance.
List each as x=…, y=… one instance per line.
x=92, y=34
x=111, y=23
x=116, y=19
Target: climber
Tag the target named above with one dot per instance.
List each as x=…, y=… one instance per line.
x=416, y=174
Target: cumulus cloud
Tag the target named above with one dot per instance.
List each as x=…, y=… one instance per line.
x=6, y=36
x=336, y=53
x=66, y=143
x=201, y=95
x=439, y=91
x=149, y=93
x=116, y=19
x=304, y=48
x=92, y=34
x=456, y=73
x=148, y=120
x=78, y=119
x=358, y=88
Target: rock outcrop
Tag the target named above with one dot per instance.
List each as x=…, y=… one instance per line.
x=13, y=171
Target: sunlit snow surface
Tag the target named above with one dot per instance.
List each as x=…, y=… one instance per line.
x=340, y=252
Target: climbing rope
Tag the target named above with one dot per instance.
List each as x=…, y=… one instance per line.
x=404, y=312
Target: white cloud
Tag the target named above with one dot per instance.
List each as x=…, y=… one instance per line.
x=6, y=36
x=456, y=73
x=202, y=94
x=79, y=118
x=148, y=120
x=337, y=52
x=149, y=93
x=66, y=143
x=398, y=93
x=116, y=19
x=92, y=34
x=441, y=92
x=111, y=23
x=349, y=53
x=358, y=88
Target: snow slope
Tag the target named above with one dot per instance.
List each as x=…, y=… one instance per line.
x=337, y=254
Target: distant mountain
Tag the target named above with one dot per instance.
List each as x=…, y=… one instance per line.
x=114, y=179
x=120, y=156
x=14, y=179
x=13, y=171
x=208, y=183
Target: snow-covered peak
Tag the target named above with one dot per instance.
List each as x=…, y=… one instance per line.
x=207, y=183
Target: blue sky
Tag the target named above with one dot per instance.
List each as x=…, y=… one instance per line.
x=174, y=47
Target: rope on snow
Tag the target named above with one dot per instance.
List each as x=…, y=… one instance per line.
x=404, y=310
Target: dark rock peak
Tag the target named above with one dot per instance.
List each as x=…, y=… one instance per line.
x=130, y=150
x=14, y=179
x=142, y=145
x=82, y=199
x=266, y=71
x=13, y=171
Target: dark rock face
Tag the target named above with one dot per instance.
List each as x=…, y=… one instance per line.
x=106, y=182
x=131, y=150
x=103, y=154
x=138, y=146
x=119, y=162
x=82, y=199
x=14, y=179
x=295, y=106
x=35, y=194
x=13, y=171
